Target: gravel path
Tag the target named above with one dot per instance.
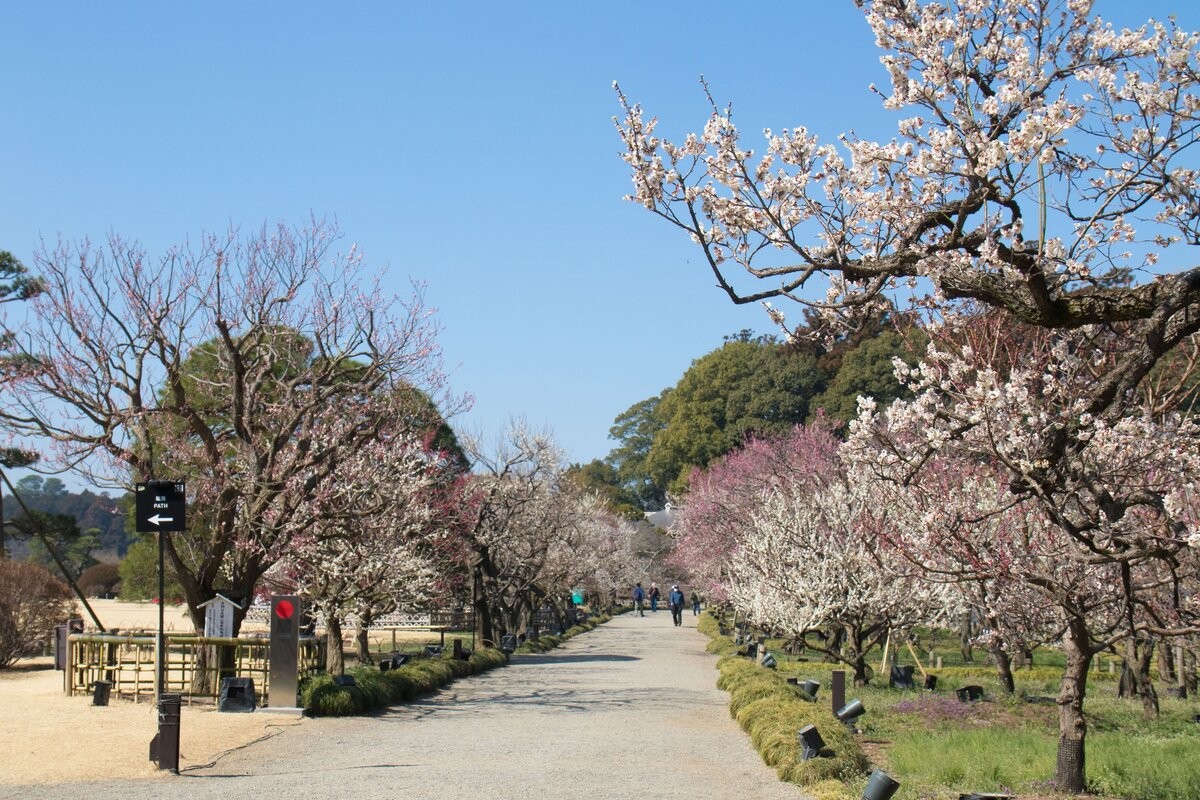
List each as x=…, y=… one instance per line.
x=628, y=710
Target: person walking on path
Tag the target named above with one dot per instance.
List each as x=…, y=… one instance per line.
x=639, y=597
x=654, y=595
x=695, y=604
x=675, y=600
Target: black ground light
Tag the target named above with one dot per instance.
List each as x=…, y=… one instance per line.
x=880, y=786
x=810, y=742
x=850, y=712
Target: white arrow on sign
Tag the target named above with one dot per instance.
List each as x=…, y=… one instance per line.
x=156, y=519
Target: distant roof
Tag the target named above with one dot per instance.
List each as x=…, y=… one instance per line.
x=661, y=519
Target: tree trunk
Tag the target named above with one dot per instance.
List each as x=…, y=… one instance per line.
x=1181, y=671
x=855, y=657
x=1165, y=658
x=1004, y=669
x=363, y=639
x=1145, y=685
x=965, y=632
x=1072, y=727
x=485, y=628
x=335, y=656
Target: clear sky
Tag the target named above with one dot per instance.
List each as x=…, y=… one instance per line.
x=468, y=146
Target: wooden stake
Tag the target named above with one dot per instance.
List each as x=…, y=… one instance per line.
x=916, y=658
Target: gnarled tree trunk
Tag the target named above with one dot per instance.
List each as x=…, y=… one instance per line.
x=1072, y=727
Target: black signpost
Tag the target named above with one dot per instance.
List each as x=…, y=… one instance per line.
x=161, y=507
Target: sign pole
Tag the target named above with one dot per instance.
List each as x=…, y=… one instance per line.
x=160, y=643
x=161, y=507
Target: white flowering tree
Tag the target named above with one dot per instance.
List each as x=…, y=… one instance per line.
x=1044, y=164
x=1014, y=478
x=777, y=530
x=714, y=515
x=365, y=548
x=810, y=561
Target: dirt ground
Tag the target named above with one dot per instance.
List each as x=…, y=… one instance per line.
x=47, y=737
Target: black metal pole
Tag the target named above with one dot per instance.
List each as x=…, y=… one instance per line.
x=162, y=651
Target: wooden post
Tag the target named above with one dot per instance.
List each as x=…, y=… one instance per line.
x=837, y=691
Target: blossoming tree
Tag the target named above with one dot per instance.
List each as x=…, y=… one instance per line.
x=254, y=367
x=1044, y=165
x=1097, y=524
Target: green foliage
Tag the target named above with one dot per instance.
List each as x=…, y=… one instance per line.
x=740, y=389
x=867, y=370
x=602, y=478
x=60, y=532
x=771, y=712
x=17, y=283
x=139, y=573
x=373, y=690
x=97, y=515
x=634, y=429
x=971, y=760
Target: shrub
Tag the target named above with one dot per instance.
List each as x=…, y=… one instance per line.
x=100, y=579
x=375, y=690
x=32, y=602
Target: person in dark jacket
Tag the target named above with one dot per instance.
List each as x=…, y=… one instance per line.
x=695, y=604
x=639, y=597
x=654, y=597
x=675, y=601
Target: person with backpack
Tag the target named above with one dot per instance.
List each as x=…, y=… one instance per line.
x=654, y=596
x=639, y=597
x=675, y=601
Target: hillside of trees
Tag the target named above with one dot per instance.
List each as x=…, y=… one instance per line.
x=87, y=527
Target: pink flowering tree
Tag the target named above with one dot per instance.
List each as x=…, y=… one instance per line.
x=777, y=530
x=721, y=498
x=253, y=367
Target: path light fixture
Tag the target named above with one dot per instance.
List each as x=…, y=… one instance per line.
x=100, y=692
x=880, y=786
x=970, y=694
x=768, y=661
x=848, y=713
x=810, y=742
x=931, y=682
x=810, y=688
x=901, y=676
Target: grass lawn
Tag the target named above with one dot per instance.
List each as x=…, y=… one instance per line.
x=938, y=747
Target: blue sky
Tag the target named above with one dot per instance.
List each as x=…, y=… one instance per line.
x=467, y=146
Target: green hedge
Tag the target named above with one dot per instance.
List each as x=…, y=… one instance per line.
x=375, y=690
x=321, y=696
x=771, y=711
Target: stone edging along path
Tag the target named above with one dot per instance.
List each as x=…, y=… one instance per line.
x=628, y=709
